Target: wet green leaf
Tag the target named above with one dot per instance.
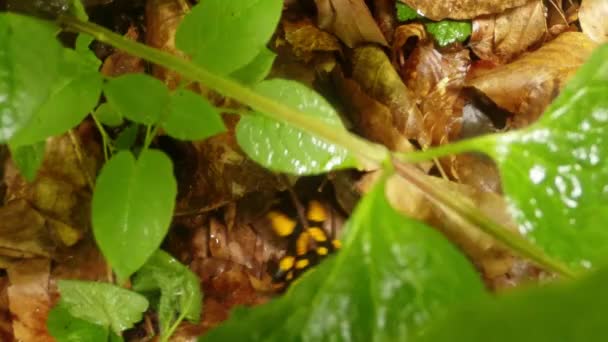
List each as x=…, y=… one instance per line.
x=28, y=159
x=191, y=117
x=406, y=13
x=224, y=36
x=25, y=83
x=447, y=32
x=560, y=312
x=127, y=137
x=392, y=277
x=102, y=304
x=73, y=96
x=284, y=148
x=257, y=69
x=107, y=115
x=64, y=327
x=132, y=208
x=555, y=172
x=138, y=97
x=180, y=294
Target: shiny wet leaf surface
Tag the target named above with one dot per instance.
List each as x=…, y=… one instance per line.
x=284, y=148
x=555, y=172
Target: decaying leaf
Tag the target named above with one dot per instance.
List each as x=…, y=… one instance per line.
x=502, y=36
x=384, y=12
x=527, y=85
x=593, y=16
x=374, y=73
x=24, y=232
x=436, y=79
x=461, y=9
x=349, y=20
x=306, y=38
x=29, y=299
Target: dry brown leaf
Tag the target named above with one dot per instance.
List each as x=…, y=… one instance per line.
x=436, y=80
x=402, y=35
x=501, y=37
x=526, y=86
x=23, y=232
x=376, y=76
x=305, y=39
x=6, y=322
x=349, y=20
x=162, y=19
x=461, y=9
x=384, y=12
x=29, y=299
x=593, y=16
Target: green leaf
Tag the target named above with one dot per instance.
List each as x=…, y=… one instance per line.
x=257, y=69
x=191, y=117
x=406, y=13
x=224, y=36
x=25, y=82
x=64, y=327
x=555, y=172
x=180, y=297
x=132, y=208
x=447, y=32
x=139, y=97
x=127, y=137
x=78, y=10
x=107, y=115
x=28, y=159
x=392, y=277
x=72, y=97
x=102, y=304
x=560, y=312
x=285, y=148
x=83, y=41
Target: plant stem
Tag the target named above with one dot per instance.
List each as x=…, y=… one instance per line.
x=474, y=216
x=371, y=152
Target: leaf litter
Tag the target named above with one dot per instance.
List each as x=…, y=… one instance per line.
x=393, y=83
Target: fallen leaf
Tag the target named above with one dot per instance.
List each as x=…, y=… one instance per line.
x=592, y=16
x=384, y=12
x=6, y=322
x=305, y=39
x=526, y=86
x=377, y=77
x=501, y=37
x=436, y=79
x=120, y=63
x=23, y=232
x=461, y=9
x=29, y=299
x=349, y=20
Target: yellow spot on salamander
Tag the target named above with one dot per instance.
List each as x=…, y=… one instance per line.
x=302, y=263
x=317, y=234
x=316, y=212
x=337, y=244
x=289, y=276
x=286, y=263
x=322, y=251
x=281, y=224
x=302, y=243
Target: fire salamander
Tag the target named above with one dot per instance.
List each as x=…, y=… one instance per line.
x=306, y=246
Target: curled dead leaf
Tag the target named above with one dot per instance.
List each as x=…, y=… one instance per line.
x=461, y=9
x=526, y=86
x=502, y=36
x=403, y=34
x=349, y=20
x=377, y=77
x=593, y=16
